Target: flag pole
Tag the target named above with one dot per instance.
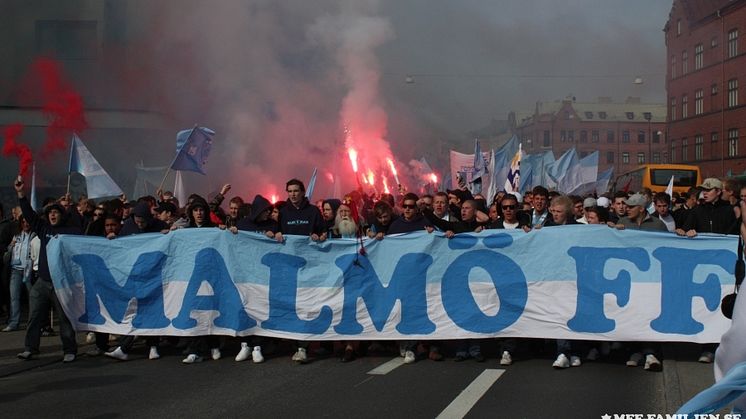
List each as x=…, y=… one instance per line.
x=160, y=187
x=70, y=163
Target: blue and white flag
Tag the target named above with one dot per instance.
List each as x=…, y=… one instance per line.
x=311, y=184
x=556, y=171
x=590, y=283
x=33, y=187
x=98, y=183
x=602, y=184
x=192, y=149
x=581, y=176
x=512, y=183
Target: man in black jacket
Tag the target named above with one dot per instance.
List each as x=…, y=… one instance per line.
x=713, y=216
x=42, y=293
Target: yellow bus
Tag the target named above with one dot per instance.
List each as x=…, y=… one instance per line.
x=657, y=176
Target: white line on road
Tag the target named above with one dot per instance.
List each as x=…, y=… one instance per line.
x=386, y=368
x=461, y=405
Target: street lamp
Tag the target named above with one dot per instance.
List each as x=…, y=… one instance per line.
x=649, y=117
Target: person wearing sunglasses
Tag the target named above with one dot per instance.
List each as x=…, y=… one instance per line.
x=513, y=217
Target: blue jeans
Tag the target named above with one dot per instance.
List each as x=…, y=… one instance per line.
x=16, y=284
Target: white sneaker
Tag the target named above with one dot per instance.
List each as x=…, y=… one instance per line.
x=706, y=357
x=154, y=353
x=506, y=358
x=634, y=359
x=244, y=353
x=256, y=355
x=593, y=354
x=409, y=357
x=652, y=363
x=90, y=337
x=68, y=358
x=300, y=356
x=192, y=359
x=402, y=350
x=215, y=352
x=575, y=361
x=561, y=362
x=117, y=354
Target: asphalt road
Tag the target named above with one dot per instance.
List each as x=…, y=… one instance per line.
x=530, y=388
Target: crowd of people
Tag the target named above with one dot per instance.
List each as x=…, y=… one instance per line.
x=712, y=207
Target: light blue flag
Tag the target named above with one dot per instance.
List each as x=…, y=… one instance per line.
x=192, y=149
x=556, y=171
x=33, y=186
x=311, y=184
x=447, y=181
x=582, y=175
x=98, y=183
x=480, y=166
x=602, y=184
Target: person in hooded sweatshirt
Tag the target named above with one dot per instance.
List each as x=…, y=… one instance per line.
x=258, y=221
x=42, y=294
x=199, y=217
x=142, y=221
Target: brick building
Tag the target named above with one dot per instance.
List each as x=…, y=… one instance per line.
x=625, y=134
x=705, y=65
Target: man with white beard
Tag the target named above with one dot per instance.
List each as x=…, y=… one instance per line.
x=344, y=225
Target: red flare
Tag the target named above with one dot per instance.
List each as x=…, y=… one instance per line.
x=433, y=178
x=353, y=158
x=62, y=105
x=12, y=147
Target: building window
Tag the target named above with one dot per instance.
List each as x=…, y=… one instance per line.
x=547, y=140
x=732, y=43
x=698, y=145
x=625, y=136
x=594, y=136
x=641, y=136
x=699, y=101
x=583, y=136
x=563, y=136
x=625, y=157
x=602, y=115
x=610, y=157
x=714, y=89
x=570, y=135
x=630, y=115
x=673, y=109
x=714, y=137
x=673, y=151
x=678, y=27
x=567, y=115
x=656, y=157
x=714, y=42
x=684, y=150
x=657, y=136
x=732, y=93
x=673, y=66
x=684, y=62
x=609, y=136
x=732, y=142
x=698, y=56
x=589, y=115
x=641, y=158
x=684, y=106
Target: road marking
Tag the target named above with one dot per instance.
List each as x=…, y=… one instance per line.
x=386, y=368
x=461, y=405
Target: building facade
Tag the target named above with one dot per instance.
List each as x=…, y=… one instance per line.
x=706, y=70
x=625, y=134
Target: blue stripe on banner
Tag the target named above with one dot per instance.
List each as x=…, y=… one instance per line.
x=589, y=282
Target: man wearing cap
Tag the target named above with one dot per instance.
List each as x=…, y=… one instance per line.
x=713, y=216
x=637, y=217
x=589, y=202
x=42, y=294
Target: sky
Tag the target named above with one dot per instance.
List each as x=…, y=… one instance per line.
x=292, y=85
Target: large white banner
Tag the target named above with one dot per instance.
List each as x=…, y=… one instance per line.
x=576, y=282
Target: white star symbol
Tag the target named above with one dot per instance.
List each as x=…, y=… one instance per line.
x=606, y=416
